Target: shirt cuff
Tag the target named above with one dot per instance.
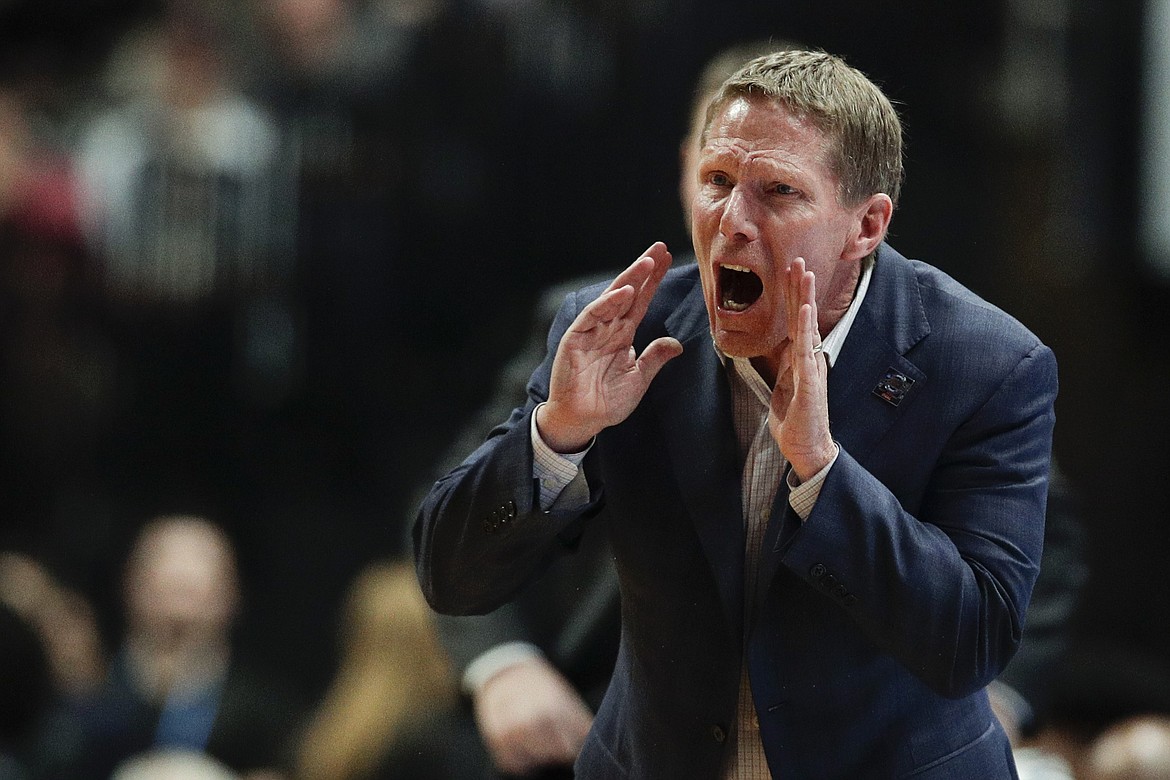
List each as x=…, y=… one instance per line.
x=554, y=471
x=802, y=496
x=488, y=664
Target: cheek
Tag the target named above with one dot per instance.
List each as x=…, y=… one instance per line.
x=704, y=212
x=698, y=222
x=706, y=279
x=801, y=238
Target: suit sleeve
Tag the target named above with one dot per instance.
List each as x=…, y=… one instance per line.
x=480, y=534
x=942, y=584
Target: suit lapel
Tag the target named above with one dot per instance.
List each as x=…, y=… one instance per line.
x=891, y=321
x=693, y=403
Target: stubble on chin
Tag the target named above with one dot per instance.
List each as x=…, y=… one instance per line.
x=748, y=345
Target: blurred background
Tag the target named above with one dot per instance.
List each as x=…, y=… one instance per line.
x=261, y=260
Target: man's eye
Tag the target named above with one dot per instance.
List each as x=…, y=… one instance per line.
x=719, y=179
x=783, y=189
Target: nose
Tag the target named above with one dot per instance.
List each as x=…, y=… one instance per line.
x=738, y=222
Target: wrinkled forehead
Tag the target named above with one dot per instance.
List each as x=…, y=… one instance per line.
x=771, y=111
x=764, y=129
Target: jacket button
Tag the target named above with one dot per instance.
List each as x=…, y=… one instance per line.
x=718, y=734
x=840, y=591
x=491, y=523
x=817, y=571
x=510, y=509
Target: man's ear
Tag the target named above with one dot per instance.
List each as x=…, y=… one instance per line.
x=873, y=220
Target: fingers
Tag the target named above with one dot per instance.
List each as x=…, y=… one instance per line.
x=806, y=339
x=640, y=270
x=802, y=293
x=611, y=305
x=662, y=260
x=630, y=293
x=806, y=335
x=792, y=300
x=801, y=290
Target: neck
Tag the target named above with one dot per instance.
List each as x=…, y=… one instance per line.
x=838, y=298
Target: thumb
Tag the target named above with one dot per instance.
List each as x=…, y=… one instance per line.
x=657, y=354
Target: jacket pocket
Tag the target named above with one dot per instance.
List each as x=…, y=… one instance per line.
x=987, y=757
x=595, y=762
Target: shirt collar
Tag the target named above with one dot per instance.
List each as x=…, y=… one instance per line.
x=835, y=340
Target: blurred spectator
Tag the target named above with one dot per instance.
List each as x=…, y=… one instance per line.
x=581, y=76
x=175, y=681
x=187, y=203
x=390, y=113
x=63, y=619
x=393, y=679
x=182, y=190
x=172, y=765
x=67, y=629
x=1135, y=749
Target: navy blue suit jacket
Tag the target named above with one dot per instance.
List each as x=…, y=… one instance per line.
x=878, y=621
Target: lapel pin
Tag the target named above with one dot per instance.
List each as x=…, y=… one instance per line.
x=893, y=387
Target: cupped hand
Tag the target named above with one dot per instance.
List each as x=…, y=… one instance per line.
x=799, y=414
x=598, y=378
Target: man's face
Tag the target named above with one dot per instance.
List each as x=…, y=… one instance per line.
x=766, y=196
x=181, y=585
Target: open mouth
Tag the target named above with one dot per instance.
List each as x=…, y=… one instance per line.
x=739, y=287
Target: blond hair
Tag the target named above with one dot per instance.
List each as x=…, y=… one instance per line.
x=863, y=130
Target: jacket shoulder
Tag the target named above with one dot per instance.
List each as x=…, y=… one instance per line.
x=959, y=314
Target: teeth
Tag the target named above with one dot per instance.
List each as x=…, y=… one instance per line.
x=739, y=287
